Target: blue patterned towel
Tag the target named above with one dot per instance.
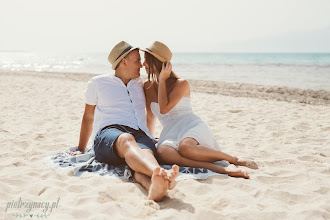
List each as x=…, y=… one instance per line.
x=87, y=165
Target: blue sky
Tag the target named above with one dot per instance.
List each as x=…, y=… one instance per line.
x=185, y=26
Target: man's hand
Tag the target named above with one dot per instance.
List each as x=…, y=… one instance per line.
x=74, y=153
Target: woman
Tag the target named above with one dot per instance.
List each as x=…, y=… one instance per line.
x=186, y=139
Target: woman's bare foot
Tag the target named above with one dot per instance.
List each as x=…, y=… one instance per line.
x=246, y=163
x=159, y=184
x=172, y=175
x=233, y=171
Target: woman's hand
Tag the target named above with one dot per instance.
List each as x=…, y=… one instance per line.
x=166, y=71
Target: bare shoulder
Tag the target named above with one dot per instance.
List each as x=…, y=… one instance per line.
x=181, y=87
x=183, y=83
x=147, y=84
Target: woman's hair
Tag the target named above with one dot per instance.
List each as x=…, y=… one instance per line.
x=153, y=64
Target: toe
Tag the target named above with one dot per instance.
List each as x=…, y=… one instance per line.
x=175, y=168
x=157, y=171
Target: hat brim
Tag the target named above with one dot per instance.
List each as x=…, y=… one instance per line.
x=161, y=59
x=115, y=64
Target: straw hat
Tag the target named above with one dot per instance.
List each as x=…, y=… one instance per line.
x=119, y=52
x=160, y=51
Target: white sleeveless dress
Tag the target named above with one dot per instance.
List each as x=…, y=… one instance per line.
x=180, y=122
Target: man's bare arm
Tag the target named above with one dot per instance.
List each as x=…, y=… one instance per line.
x=86, y=127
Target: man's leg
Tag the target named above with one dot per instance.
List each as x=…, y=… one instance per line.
x=143, y=162
x=139, y=160
x=156, y=186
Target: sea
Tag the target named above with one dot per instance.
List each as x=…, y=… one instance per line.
x=295, y=70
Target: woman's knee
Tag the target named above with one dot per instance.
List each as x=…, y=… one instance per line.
x=162, y=151
x=166, y=153
x=186, y=148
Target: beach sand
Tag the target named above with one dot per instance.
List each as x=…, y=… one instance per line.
x=286, y=131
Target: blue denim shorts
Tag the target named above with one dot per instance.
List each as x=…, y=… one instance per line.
x=106, y=137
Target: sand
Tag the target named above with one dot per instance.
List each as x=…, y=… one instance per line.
x=286, y=131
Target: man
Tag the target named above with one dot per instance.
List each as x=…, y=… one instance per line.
x=115, y=111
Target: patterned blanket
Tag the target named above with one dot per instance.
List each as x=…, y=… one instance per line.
x=87, y=165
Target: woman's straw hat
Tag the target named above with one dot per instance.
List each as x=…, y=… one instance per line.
x=160, y=51
x=119, y=52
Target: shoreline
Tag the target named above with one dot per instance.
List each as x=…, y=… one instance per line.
x=276, y=93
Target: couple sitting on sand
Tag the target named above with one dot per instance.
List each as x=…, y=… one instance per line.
x=122, y=109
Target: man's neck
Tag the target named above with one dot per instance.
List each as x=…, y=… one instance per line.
x=119, y=74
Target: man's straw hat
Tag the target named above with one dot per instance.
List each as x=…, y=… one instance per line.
x=119, y=52
x=160, y=51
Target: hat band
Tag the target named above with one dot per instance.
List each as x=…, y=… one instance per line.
x=149, y=49
x=127, y=49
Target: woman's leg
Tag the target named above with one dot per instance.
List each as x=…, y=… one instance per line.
x=169, y=155
x=191, y=149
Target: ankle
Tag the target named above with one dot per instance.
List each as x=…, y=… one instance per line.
x=234, y=160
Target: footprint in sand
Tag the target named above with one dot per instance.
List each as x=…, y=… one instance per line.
x=104, y=197
x=39, y=136
x=220, y=204
x=326, y=129
x=24, y=145
x=290, y=198
x=326, y=170
x=18, y=164
x=271, y=128
x=303, y=126
x=266, y=179
x=323, y=190
x=75, y=118
x=76, y=188
x=258, y=194
x=201, y=190
x=240, y=145
x=235, y=111
x=310, y=159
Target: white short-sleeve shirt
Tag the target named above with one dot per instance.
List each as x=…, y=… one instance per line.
x=117, y=103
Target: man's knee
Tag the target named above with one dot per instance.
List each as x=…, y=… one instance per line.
x=124, y=143
x=125, y=138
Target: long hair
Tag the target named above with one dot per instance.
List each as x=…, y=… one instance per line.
x=153, y=64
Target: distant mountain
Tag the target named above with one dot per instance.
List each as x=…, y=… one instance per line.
x=317, y=41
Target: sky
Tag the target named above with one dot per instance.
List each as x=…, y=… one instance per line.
x=184, y=25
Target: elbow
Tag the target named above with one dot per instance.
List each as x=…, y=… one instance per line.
x=88, y=118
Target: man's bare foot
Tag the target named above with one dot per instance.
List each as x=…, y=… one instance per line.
x=172, y=174
x=159, y=185
x=233, y=171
